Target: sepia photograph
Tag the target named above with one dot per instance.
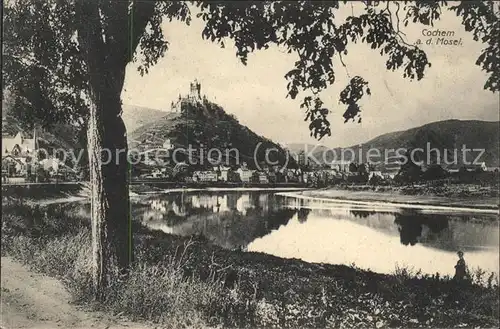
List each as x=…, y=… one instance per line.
x=250, y=164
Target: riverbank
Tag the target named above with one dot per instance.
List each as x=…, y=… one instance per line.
x=49, y=193
x=453, y=194
x=474, y=191
x=148, y=189
x=158, y=183
x=404, y=196
x=188, y=282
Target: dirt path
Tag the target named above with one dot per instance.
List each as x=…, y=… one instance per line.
x=32, y=300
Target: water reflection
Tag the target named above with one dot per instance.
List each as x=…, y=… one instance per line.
x=231, y=220
x=411, y=225
x=302, y=214
x=363, y=213
x=375, y=237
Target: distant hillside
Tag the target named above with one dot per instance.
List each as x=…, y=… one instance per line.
x=297, y=148
x=205, y=125
x=63, y=135
x=443, y=135
x=136, y=116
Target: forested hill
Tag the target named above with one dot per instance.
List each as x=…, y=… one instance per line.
x=447, y=135
x=205, y=125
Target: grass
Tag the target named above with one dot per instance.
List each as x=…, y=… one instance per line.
x=160, y=292
x=188, y=283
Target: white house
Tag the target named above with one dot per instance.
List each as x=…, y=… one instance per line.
x=245, y=174
x=263, y=179
x=224, y=173
x=205, y=176
x=51, y=164
x=167, y=144
x=340, y=166
x=18, y=146
x=12, y=165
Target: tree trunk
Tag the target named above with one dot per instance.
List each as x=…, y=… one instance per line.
x=106, y=50
x=112, y=246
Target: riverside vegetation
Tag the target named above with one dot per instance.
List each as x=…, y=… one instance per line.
x=180, y=282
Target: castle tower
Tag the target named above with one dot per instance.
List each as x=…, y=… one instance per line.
x=191, y=89
x=195, y=90
x=198, y=88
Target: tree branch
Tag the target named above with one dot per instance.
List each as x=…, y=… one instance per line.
x=397, y=19
x=140, y=14
x=345, y=66
x=396, y=30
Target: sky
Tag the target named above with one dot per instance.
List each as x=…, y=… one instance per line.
x=256, y=94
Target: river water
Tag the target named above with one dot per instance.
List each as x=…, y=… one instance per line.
x=375, y=236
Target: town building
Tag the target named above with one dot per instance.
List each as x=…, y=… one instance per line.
x=262, y=178
x=18, y=145
x=167, y=144
x=17, y=153
x=245, y=174
x=12, y=166
x=293, y=175
x=272, y=177
x=303, y=160
x=51, y=164
x=226, y=174
x=205, y=176
x=340, y=165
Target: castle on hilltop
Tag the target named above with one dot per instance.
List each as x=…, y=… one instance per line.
x=193, y=97
x=195, y=90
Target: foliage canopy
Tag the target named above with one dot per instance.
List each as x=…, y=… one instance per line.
x=45, y=65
